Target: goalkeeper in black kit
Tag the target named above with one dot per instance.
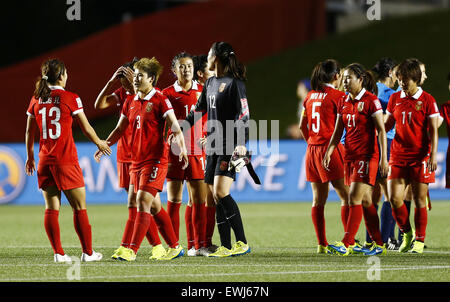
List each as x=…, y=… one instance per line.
x=224, y=100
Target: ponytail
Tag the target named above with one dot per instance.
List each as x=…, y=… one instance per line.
x=324, y=73
x=226, y=56
x=51, y=71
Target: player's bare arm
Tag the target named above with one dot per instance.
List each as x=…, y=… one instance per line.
x=334, y=141
x=432, y=162
x=382, y=140
x=114, y=136
x=177, y=137
x=89, y=132
x=106, y=98
x=30, y=165
x=303, y=125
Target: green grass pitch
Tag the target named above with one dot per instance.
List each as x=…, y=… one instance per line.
x=281, y=236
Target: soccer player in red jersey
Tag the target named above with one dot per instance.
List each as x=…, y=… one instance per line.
x=317, y=124
x=183, y=96
x=413, y=152
x=114, y=95
x=52, y=110
x=201, y=74
x=147, y=112
x=361, y=115
x=445, y=114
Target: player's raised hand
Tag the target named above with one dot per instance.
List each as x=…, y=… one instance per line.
x=30, y=166
x=104, y=147
x=240, y=150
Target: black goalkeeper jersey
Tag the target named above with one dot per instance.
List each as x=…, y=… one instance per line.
x=225, y=101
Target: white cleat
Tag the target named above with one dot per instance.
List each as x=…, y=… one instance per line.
x=192, y=252
x=94, y=257
x=58, y=258
x=203, y=251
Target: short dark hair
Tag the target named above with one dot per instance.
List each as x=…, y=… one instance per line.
x=410, y=69
x=182, y=54
x=383, y=66
x=323, y=73
x=200, y=63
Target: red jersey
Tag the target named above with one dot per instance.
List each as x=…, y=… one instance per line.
x=411, y=115
x=361, y=138
x=320, y=108
x=54, y=119
x=445, y=113
x=183, y=102
x=124, y=143
x=147, y=121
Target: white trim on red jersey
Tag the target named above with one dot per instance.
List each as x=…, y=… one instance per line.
x=415, y=96
x=178, y=88
x=55, y=87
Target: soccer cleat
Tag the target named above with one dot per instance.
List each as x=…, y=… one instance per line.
x=127, y=255
x=173, y=253
x=321, y=249
x=240, y=248
x=338, y=249
x=368, y=245
x=118, y=252
x=376, y=250
x=158, y=251
x=418, y=247
x=58, y=258
x=212, y=248
x=358, y=249
x=406, y=243
x=203, y=251
x=93, y=257
x=221, y=252
x=192, y=252
x=393, y=244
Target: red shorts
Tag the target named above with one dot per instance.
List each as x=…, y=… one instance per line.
x=65, y=177
x=361, y=170
x=416, y=171
x=149, y=178
x=123, y=174
x=195, y=170
x=314, y=170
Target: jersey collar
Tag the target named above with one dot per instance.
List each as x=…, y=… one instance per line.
x=55, y=87
x=415, y=96
x=360, y=94
x=329, y=85
x=148, y=96
x=178, y=88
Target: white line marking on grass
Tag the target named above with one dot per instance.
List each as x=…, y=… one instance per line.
x=229, y=274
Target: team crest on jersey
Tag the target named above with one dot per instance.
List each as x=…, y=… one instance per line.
x=223, y=165
x=149, y=107
x=360, y=106
x=222, y=87
x=419, y=105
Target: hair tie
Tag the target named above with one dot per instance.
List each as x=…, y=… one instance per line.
x=44, y=77
x=231, y=53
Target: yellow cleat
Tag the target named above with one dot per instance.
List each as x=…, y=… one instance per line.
x=118, y=252
x=127, y=255
x=221, y=252
x=240, y=248
x=173, y=253
x=158, y=251
x=418, y=247
x=406, y=243
x=322, y=249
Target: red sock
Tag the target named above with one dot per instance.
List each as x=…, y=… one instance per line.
x=198, y=220
x=152, y=233
x=165, y=227
x=401, y=215
x=83, y=229
x=210, y=224
x=373, y=223
x=173, y=209
x=129, y=227
x=318, y=218
x=189, y=227
x=420, y=221
x=344, y=216
x=140, y=229
x=355, y=215
x=51, y=225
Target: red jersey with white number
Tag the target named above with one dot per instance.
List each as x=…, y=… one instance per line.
x=124, y=143
x=54, y=119
x=183, y=102
x=360, y=138
x=411, y=115
x=147, y=121
x=320, y=108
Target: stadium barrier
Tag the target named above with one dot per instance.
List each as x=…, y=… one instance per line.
x=282, y=176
